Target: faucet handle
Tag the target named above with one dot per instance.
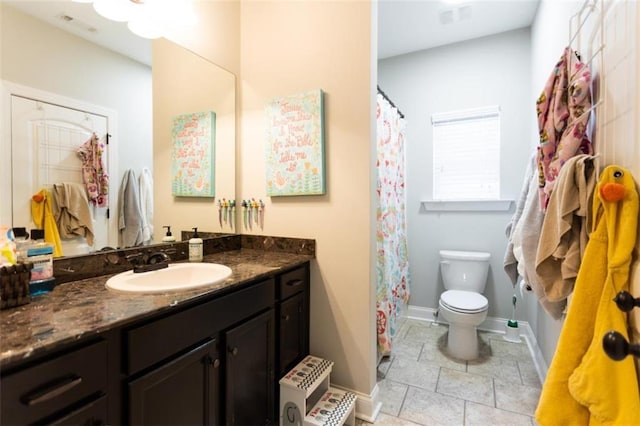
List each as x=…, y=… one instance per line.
x=135, y=258
x=158, y=257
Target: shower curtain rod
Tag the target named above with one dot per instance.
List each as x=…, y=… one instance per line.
x=390, y=101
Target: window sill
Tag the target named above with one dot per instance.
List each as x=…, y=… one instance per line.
x=467, y=205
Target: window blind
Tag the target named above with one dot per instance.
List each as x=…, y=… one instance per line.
x=466, y=154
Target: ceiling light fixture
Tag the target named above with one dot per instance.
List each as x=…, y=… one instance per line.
x=147, y=18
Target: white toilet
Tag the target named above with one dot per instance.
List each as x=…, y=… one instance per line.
x=464, y=274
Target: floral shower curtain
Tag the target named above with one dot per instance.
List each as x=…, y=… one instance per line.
x=391, y=239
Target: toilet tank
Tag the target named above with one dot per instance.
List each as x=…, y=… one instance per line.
x=464, y=270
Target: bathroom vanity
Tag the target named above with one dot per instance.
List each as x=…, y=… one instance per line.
x=86, y=355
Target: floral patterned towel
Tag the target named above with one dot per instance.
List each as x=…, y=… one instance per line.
x=563, y=116
x=94, y=175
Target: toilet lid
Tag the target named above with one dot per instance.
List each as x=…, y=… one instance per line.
x=464, y=301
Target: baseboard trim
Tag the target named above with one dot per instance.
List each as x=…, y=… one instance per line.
x=493, y=324
x=538, y=359
x=367, y=406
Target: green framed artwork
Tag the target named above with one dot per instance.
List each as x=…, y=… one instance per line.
x=295, y=145
x=193, y=155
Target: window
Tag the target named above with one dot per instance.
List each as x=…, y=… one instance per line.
x=466, y=154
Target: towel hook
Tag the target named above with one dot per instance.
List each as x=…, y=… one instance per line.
x=626, y=302
x=617, y=347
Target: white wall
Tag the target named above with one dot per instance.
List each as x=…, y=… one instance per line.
x=38, y=55
x=493, y=70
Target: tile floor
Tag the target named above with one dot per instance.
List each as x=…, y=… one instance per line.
x=420, y=384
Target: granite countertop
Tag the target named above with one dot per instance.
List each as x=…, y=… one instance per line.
x=85, y=307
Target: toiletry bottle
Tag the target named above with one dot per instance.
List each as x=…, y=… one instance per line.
x=195, y=247
x=168, y=238
x=40, y=253
x=22, y=242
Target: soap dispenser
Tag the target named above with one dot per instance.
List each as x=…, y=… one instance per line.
x=168, y=238
x=195, y=247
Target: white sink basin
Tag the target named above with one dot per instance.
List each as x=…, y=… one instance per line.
x=176, y=277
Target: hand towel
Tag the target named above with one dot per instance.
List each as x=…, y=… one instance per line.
x=510, y=263
x=129, y=215
x=607, y=250
x=146, y=205
x=525, y=238
x=608, y=388
x=71, y=211
x=42, y=215
x=564, y=233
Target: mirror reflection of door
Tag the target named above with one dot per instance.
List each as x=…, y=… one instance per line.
x=45, y=139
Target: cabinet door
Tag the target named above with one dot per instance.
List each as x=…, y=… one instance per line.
x=292, y=335
x=250, y=372
x=181, y=392
x=92, y=414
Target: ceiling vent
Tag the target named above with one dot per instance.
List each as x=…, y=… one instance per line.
x=79, y=25
x=455, y=14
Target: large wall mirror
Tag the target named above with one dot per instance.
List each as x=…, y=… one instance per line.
x=60, y=87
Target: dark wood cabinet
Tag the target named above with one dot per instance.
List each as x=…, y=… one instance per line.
x=215, y=361
x=184, y=391
x=293, y=318
x=91, y=414
x=50, y=390
x=250, y=372
x=292, y=338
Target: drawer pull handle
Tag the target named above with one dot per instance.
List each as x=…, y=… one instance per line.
x=47, y=394
x=294, y=283
x=216, y=363
x=286, y=317
x=233, y=351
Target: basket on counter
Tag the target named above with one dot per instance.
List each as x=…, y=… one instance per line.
x=14, y=281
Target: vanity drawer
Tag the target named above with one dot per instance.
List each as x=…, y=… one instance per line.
x=54, y=386
x=163, y=338
x=292, y=282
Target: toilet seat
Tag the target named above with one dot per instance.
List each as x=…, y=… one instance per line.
x=466, y=302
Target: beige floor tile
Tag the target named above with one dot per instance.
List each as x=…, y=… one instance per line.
x=431, y=408
x=402, y=330
x=383, y=366
x=470, y=387
x=438, y=354
x=502, y=348
x=392, y=396
x=501, y=368
x=499, y=388
x=529, y=374
x=414, y=373
x=518, y=398
x=387, y=420
x=428, y=332
x=408, y=349
x=482, y=415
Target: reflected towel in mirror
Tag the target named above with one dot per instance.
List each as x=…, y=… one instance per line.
x=71, y=211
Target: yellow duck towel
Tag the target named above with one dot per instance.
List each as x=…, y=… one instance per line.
x=42, y=214
x=605, y=263
x=608, y=388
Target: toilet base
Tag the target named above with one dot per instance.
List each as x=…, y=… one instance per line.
x=462, y=342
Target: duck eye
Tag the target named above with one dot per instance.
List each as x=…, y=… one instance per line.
x=617, y=174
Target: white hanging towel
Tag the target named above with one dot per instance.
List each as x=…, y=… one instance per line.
x=146, y=205
x=129, y=215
